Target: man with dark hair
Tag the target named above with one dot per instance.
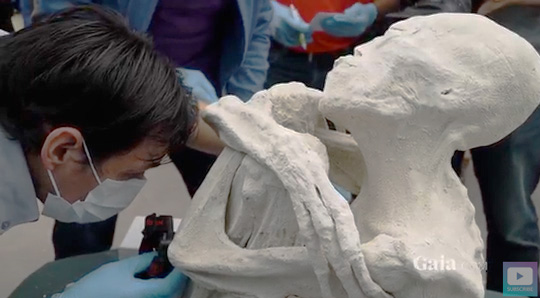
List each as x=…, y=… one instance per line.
x=87, y=107
x=219, y=46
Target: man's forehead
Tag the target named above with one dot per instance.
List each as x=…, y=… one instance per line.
x=148, y=150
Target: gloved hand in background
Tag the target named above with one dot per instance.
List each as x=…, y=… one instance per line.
x=352, y=22
x=286, y=29
x=116, y=280
x=200, y=86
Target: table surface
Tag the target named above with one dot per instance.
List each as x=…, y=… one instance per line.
x=52, y=277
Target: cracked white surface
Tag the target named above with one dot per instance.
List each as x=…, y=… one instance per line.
x=267, y=221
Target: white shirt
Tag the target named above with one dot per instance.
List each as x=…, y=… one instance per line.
x=18, y=200
x=2, y=32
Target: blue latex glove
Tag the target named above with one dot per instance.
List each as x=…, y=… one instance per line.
x=351, y=23
x=286, y=29
x=200, y=86
x=116, y=280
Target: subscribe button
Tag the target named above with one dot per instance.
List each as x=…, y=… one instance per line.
x=520, y=279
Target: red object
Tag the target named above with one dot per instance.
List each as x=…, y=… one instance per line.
x=156, y=268
x=158, y=234
x=322, y=42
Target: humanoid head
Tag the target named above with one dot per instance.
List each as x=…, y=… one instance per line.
x=294, y=106
x=458, y=74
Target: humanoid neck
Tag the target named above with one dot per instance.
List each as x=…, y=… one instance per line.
x=403, y=163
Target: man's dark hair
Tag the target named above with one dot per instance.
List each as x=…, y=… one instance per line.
x=84, y=68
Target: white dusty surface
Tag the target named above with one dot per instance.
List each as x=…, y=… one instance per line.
x=288, y=258
x=430, y=86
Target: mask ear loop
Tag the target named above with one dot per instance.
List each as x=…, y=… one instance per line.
x=55, y=186
x=91, y=162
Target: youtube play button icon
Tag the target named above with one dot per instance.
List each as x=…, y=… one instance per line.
x=520, y=279
x=520, y=276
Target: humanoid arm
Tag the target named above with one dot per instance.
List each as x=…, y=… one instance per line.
x=204, y=138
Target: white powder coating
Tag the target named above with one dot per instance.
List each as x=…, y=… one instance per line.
x=267, y=222
x=301, y=236
x=429, y=86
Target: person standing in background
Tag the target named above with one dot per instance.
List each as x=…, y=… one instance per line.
x=290, y=60
x=219, y=46
x=6, y=12
x=25, y=7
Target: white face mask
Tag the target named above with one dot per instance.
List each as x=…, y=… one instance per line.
x=106, y=200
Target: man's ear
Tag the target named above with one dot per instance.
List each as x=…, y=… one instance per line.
x=62, y=145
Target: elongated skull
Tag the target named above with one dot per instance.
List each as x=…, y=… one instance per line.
x=455, y=70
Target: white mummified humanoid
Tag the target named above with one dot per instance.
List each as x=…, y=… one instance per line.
x=268, y=223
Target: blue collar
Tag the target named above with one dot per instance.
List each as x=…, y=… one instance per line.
x=18, y=200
